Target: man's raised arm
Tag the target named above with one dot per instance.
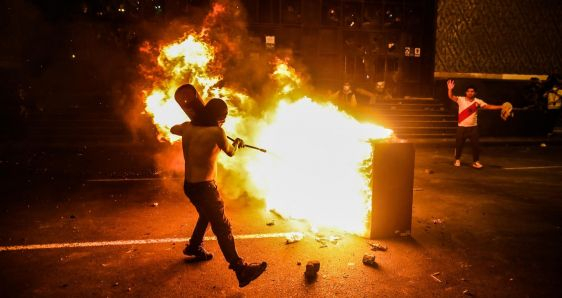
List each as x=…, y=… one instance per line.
x=450, y=87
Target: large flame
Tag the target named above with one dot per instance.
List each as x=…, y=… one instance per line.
x=187, y=58
x=318, y=161
x=317, y=166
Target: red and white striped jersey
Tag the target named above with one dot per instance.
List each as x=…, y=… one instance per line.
x=468, y=110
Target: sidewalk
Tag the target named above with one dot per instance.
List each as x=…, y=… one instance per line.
x=555, y=139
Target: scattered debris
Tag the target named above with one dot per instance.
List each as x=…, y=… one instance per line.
x=274, y=212
x=437, y=221
x=434, y=276
x=324, y=240
x=294, y=237
x=429, y=171
x=334, y=239
x=369, y=260
x=402, y=234
x=378, y=247
x=467, y=293
x=312, y=268
x=155, y=204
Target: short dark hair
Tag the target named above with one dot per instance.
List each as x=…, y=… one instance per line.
x=470, y=87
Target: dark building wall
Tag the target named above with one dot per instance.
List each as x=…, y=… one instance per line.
x=362, y=41
x=498, y=36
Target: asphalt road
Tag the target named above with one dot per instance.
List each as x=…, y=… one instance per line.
x=494, y=232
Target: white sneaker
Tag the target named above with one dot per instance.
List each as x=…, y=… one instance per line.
x=477, y=165
x=457, y=163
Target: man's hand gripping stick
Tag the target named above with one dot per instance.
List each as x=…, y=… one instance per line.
x=249, y=146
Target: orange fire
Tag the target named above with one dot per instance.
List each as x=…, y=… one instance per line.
x=318, y=161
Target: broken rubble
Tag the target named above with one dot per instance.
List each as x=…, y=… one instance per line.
x=312, y=268
x=434, y=276
x=370, y=260
x=378, y=247
x=294, y=237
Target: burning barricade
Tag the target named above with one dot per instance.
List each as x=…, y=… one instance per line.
x=318, y=161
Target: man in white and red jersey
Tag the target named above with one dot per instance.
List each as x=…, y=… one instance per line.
x=468, y=125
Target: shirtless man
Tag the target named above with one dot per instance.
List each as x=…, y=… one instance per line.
x=201, y=147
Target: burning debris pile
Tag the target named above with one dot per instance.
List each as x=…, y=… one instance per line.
x=317, y=164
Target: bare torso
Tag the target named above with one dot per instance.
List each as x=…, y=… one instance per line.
x=201, y=147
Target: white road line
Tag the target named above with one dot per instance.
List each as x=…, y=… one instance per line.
x=130, y=179
x=130, y=242
x=533, y=168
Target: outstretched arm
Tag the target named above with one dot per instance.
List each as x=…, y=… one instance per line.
x=367, y=93
x=333, y=95
x=364, y=92
x=491, y=107
x=450, y=87
x=225, y=145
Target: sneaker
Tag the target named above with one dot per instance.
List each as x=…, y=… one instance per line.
x=248, y=272
x=198, y=254
x=477, y=165
x=457, y=163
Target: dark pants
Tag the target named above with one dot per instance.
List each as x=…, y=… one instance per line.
x=472, y=134
x=206, y=199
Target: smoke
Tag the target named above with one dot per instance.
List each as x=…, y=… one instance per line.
x=253, y=80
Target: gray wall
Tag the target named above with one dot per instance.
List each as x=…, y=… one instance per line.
x=499, y=36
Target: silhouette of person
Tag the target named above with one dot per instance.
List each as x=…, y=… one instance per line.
x=201, y=147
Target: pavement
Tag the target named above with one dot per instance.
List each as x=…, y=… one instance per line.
x=72, y=226
x=555, y=139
